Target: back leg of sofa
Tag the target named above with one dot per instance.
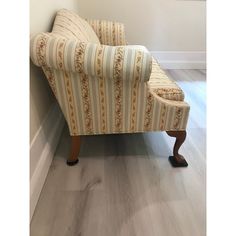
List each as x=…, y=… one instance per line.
x=177, y=160
x=75, y=148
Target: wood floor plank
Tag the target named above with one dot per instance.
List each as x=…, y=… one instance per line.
x=124, y=184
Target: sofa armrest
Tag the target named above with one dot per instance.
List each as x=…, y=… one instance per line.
x=109, y=32
x=94, y=60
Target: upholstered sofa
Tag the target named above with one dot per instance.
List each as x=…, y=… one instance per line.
x=105, y=86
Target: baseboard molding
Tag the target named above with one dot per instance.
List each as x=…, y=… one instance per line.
x=181, y=59
x=42, y=149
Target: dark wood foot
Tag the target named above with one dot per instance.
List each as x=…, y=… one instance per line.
x=75, y=147
x=177, y=160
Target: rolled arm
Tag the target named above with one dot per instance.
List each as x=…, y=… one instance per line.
x=108, y=32
x=94, y=60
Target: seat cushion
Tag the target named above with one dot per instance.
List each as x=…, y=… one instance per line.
x=162, y=85
x=69, y=25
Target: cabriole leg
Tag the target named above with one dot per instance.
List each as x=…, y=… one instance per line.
x=177, y=160
x=75, y=147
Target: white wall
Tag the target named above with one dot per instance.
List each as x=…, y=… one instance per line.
x=46, y=121
x=173, y=30
x=161, y=25
x=42, y=14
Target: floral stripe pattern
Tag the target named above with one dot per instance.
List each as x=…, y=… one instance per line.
x=102, y=105
x=40, y=49
x=102, y=97
x=137, y=75
x=178, y=116
x=119, y=58
x=107, y=89
x=148, y=112
x=86, y=100
x=79, y=57
x=71, y=104
x=163, y=114
x=108, y=32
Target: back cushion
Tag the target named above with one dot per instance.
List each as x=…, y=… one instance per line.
x=69, y=25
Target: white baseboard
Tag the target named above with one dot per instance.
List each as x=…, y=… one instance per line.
x=181, y=59
x=42, y=149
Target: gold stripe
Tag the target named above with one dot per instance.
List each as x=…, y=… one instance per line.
x=163, y=116
x=100, y=30
x=99, y=61
x=71, y=103
x=102, y=105
x=113, y=34
x=148, y=112
x=51, y=79
x=60, y=54
x=102, y=97
x=79, y=57
x=86, y=103
x=41, y=50
x=137, y=74
x=178, y=117
x=117, y=74
x=120, y=42
x=106, y=24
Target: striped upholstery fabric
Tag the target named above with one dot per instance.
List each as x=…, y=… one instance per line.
x=108, y=32
x=108, y=89
x=162, y=85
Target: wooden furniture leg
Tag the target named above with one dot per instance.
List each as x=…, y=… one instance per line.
x=75, y=147
x=177, y=160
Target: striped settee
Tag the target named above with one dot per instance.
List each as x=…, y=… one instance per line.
x=105, y=86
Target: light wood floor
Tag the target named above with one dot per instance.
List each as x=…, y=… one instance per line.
x=124, y=184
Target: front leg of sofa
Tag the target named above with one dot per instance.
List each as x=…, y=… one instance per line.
x=75, y=148
x=177, y=160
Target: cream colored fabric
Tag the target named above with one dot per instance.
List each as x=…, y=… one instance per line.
x=108, y=32
x=70, y=26
x=108, y=89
